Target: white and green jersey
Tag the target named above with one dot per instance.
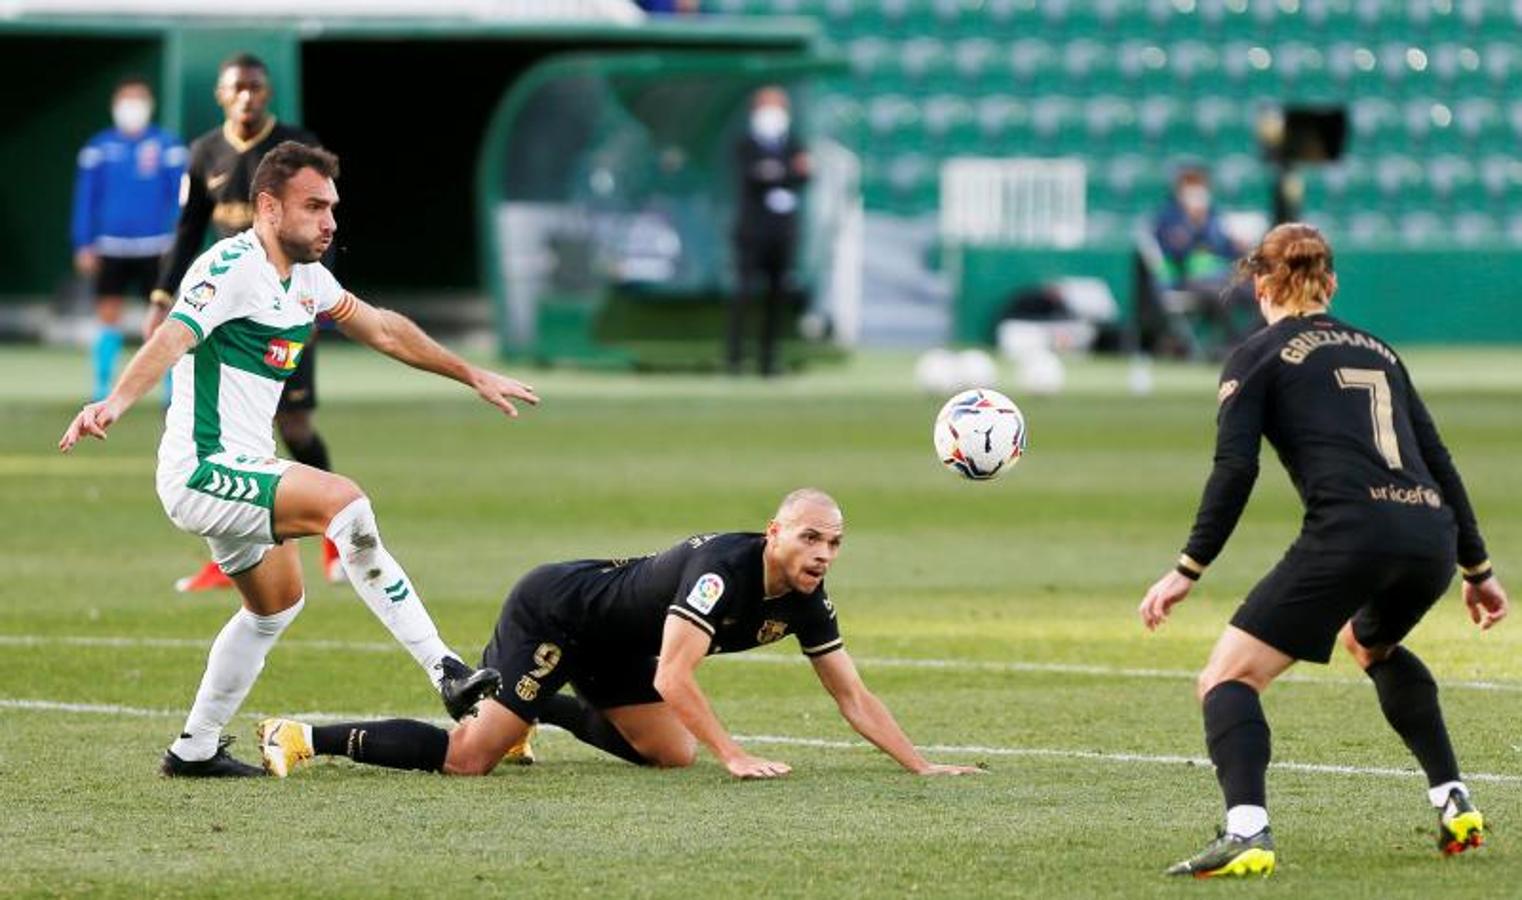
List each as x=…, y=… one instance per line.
x=250, y=329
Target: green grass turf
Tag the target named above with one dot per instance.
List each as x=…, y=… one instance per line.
x=1043, y=567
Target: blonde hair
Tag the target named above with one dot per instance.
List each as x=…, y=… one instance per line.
x=1295, y=262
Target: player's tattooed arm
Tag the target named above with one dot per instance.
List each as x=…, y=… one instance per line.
x=683, y=646
x=400, y=338
x=145, y=370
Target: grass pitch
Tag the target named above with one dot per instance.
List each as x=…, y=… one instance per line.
x=996, y=620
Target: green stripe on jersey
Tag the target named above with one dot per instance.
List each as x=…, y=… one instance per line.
x=263, y=350
x=208, y=390
x=253, y=488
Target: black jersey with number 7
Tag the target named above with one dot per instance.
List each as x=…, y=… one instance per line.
x=1338, y=406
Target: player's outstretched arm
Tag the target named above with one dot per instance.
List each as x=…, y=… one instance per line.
x=401, y=339
x=145, y=370
x=871, y=718
x=683, y=646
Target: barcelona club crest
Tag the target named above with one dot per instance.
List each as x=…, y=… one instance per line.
x=771, y=630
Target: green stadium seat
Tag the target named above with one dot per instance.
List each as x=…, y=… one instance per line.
x=1033, y=65
x=924, y=63
x=869, y=56
x=1423, y=226
x=1087, y=66
x=1053, y=117
x=1451, y=179
x=1398, y=176
x=949, y=122
x=1368, y=227
x=1109, y=124
x=974, y=58
x=1374, y=125
x=892, y=120
x=1194, y=65
x=1501, y=175
x=1010, y=19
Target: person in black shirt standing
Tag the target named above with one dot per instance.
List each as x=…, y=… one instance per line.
x=1386, y=519
x=215, y=192
x=628, y=636
x=773, y=169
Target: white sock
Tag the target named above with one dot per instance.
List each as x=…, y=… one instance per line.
x=236, y=658
x=385, y=588
x=1246, y=821
x=1439, y=795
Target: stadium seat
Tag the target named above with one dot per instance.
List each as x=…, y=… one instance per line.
x=1033, y=64
x=1371, y=228
x=1475, y=228
x=973, y=58
x=949, y=123
x=1422, y=227
x=925, y=64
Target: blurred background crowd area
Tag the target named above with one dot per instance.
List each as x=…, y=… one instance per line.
x=561, y=175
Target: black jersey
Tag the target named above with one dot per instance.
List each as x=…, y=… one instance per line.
x=714, y=581
x=1359, y=445
x=216, y=191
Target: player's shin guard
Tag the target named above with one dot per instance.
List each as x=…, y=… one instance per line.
x=385, y=588
x=393, y=743
x=1238, y=737
x=1408, y=696
x=236, y=658
x=589, y=725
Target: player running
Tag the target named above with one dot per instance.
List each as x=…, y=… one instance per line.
x=1386, y=517
x=244, y=314
x=215, y=194
x=628, y=636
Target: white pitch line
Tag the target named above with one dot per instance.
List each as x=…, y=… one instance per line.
x=30, y=705
x=886, y=662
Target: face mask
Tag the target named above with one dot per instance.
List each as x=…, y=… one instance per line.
x=131, y=114
x=769, y=123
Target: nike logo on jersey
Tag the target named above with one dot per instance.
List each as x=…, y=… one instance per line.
x=215, y=181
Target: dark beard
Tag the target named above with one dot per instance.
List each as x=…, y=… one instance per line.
x=297, y=252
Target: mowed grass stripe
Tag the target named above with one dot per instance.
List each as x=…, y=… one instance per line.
x=1014, y=667
x=35, y=705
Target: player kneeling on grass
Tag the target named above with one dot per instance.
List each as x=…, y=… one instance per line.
x=244, y=314
x=1386, y=518
x=627, y=635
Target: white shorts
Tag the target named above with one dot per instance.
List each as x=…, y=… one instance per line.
x=229, y=499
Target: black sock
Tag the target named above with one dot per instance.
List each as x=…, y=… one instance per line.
x=589, y=725
x=313, y=453
x=1408, y=696
x=393, y=743
x=1238, y=737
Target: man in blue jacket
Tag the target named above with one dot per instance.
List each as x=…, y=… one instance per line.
x=126, y=200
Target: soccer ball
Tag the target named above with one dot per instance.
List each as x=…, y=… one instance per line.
x=979, y=433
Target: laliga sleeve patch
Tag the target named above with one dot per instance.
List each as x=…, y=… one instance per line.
x=200, y=295
x=1226, y=390
x=704, y=594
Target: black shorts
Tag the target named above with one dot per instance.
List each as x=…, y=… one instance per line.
x=300, y=390
x=537, y=654
x=1301, y=605
x=119, y=275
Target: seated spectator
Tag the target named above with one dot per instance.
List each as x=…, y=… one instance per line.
x=1197, y=259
